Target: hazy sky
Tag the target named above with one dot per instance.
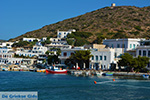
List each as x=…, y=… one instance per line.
x=20, y=16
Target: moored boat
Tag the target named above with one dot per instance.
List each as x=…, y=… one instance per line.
x=145, y=76
x=108, y=74
x=56, y=70
x=99, y=73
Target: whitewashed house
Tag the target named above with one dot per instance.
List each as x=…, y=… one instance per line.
x=36, y=51
x=102, y=58
x=126, y=44
x=5, y=55
x=30, y=39
x=144, y=50
x=6, y=44
x=63, y=34
x=66, y=53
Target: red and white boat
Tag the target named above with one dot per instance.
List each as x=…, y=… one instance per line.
x=56, y=70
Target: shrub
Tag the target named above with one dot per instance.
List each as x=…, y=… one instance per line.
x=119, y=35
x=135, y=33
x=20, y=44
x=138, y=28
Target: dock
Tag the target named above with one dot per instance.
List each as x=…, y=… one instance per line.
x=96, y=72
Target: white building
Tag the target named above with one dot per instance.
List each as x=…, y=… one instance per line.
x=17, y=60
x=41, y=58
x=30, y=39
x=102, y=58
x=43, y=39
x=63, y=34
x=126, y=44
x=144, y=50
x=66, y=53
x=36, y=51
x=6, y=44
x=58, y=41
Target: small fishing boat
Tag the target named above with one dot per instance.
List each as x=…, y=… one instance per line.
x=145, y=76
x=99, y=73
x=56, y=70
x=108, y=74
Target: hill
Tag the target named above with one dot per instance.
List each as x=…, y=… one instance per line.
x=116, y=22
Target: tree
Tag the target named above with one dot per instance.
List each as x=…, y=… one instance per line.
x=138, y=63
x=141, y=63
x=126, y=60
x=46, y=42
x=80, y=57
x=53, y=59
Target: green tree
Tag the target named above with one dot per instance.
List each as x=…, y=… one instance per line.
x=138, y=63
x=46, y=42
x=80, y=57
x=126, y=60
x=53, y=59
x=141, y=63
x=20, y=44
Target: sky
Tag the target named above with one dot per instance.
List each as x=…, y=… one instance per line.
x=20, y=16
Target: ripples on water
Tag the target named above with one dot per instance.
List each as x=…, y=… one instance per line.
x=67, y=87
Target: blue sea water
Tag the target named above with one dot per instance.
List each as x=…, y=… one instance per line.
x=67, y=87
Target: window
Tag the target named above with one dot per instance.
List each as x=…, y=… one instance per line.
x=133, y=46
x=148, y=53
x=130, y=45
x=96, y=58
x=140, y=52
x=118, y=45
x=92, y=57
x=105, y=58
x=112, y=45
x=65, y=54
x=115, y=55
x=144, y=53
x=101, y=58
x=59, y=33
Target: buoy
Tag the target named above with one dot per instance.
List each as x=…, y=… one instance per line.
x=113, y=79
x=95, y=82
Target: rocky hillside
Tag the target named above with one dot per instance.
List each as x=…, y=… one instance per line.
x=117, y=22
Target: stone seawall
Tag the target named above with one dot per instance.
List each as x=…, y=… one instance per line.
x=99, y=72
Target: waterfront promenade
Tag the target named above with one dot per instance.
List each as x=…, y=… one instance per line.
x=77, y=72
x=96, y=72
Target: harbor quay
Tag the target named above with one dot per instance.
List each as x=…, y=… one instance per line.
x=77, y=72
x=100, y=72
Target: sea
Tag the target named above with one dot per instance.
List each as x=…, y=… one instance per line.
x=68, y=87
